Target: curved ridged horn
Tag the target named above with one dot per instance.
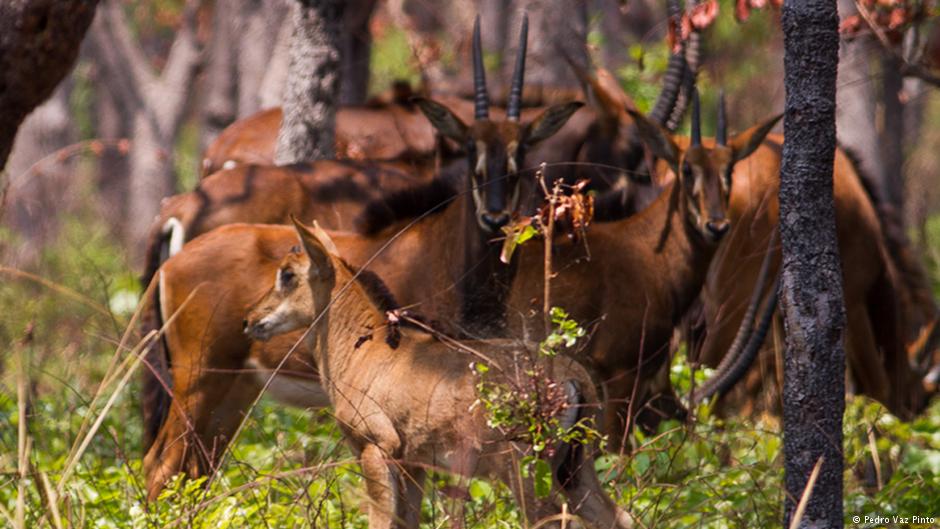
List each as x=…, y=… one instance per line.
x=681, y=72
x=696, y=119
x=514, y=105
x=746, y=342
x=481, y=102
x=676, y=73
x=721, y=133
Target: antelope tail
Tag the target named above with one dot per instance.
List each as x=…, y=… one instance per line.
x=164, y=243
x=155, y=401
x=746, y=344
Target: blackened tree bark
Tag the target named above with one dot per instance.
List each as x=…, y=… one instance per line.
x=308, y=129
x=355, y=55
x=39, y=42
x=811, y=290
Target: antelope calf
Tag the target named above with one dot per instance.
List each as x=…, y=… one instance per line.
x=435, y=420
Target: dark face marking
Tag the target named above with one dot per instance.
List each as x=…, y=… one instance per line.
x=706, y=178
x=495, y=153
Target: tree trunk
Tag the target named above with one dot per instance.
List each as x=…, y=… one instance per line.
x=113, y=165
x=39, y=42
x=40, y=191
x=219, y=105
x=275, y=75
x=892, y=135
x=811, y=289
x=856, y=98
x=157, y=102
x=553, y=24
x=356, y=42
x=308, y=129
x=257, y=37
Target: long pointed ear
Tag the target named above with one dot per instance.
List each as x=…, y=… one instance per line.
x=549, y=121
x=656, y=138
x=743, y=144
x=318, y=246
x=445, y=121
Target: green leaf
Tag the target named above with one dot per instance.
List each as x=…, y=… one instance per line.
x=543, y=478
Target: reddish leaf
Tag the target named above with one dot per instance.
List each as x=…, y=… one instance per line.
x=742, y=10
x=704, y=14
x=758, y=4
x=685, y=28
x=898, y=18
x=850, y=25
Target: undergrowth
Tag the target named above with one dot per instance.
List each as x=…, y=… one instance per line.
x=290, y=468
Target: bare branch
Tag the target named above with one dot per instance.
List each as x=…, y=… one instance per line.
x=907, y=68
x=172, y=92
x=132, y=58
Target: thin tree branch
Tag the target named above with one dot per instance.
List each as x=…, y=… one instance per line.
x=132, y=58
x=185, y=59
x=907, y=68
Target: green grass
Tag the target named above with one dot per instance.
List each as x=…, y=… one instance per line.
x=290, y=468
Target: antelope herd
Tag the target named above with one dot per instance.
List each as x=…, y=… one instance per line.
x=414, y=210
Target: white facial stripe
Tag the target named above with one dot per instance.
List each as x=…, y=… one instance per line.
x=481, y=159
x=511, y=150
x=277, y=281
x=279, y=316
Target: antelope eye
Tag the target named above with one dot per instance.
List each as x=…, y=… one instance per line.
x=686, y=170
x=287, y=276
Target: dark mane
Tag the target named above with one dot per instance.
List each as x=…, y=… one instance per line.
x=384, y=300
x=912, y=272
x=375, y=288
x=405, y=204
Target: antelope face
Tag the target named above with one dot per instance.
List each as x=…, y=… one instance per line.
x=303, y=283
x=496, y=149
x=704, y=173
x=495, y=154
x=287, y=306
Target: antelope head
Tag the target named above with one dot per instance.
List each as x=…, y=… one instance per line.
x=496, y=149
x=303, y=284
x=704, y=173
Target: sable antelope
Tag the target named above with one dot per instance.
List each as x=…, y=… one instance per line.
x=398, y=431
x=335, y=192
x=391, y=131
x=447, y=263
x=864, y=237
x=874, y=291
x=644, y=271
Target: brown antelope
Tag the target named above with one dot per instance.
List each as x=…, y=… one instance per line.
x=335, y=192
x=878, y=365
x=398, y=430
x=875, y=339
x=641, y=273
x=391, y=131
x=447, y=263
